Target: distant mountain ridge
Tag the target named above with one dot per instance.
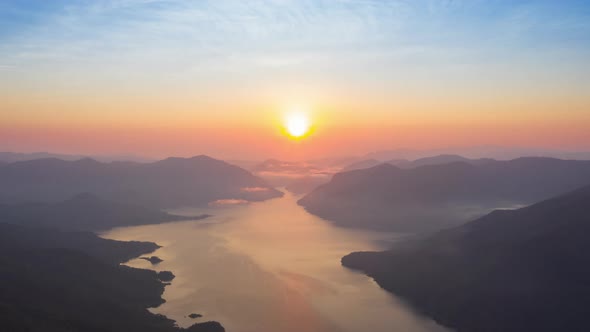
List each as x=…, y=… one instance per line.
x=511, y=270
x=167, y=183
x=475, y=152
x=10, y=157
x=439, y=160
x=432, y=197
x=406, y=164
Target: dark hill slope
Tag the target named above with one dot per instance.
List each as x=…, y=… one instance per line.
x=55, y=281
x=108, y=251
x=511, y=270
x=85, y=212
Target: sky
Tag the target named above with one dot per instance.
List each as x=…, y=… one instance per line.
x=161, y=78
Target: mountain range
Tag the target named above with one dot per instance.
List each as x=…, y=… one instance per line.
x=405, y=164
x=476, y=152
x=10, y=157
x=432, y=197
x=167, y=183
x=511, y=270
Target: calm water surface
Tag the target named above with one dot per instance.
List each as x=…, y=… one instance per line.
x=271, y=267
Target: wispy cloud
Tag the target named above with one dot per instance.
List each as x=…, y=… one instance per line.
x=190, y=38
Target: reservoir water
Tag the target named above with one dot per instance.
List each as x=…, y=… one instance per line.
x=271, y=267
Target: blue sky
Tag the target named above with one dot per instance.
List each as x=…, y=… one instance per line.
x=218, y=35
x=344, y=54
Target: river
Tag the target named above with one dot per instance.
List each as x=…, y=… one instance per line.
x=271, y=267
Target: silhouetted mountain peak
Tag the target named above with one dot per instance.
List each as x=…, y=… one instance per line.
x=171, y=160
x=381, y=169
x=202, y=157
x=443, y=157
x=195, y=160
x=375, y=171
x=49, y=160
x=533, y=160
x=87, y=161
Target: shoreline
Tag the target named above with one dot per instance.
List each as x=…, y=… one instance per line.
x=206, y=326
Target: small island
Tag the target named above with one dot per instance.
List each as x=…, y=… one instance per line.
x=165, y=276
x=195, y=316
x=153, y=259
x=206, y=327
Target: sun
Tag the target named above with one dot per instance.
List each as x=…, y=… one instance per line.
x=297, y=124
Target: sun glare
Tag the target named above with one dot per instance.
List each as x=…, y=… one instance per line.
x=297, y=124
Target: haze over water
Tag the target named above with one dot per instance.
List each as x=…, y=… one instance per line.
x=271, y=266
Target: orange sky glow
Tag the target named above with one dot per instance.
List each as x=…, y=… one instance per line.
x=218, y=78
